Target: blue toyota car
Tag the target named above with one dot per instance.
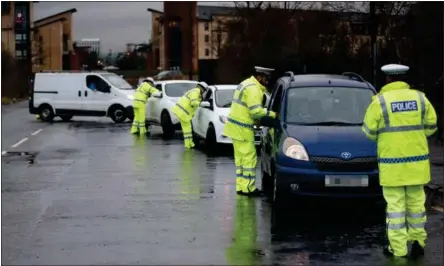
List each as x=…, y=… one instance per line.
x=316, y=146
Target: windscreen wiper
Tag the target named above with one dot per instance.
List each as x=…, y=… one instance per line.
x=331, y=123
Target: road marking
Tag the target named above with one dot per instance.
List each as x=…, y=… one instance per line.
x=37, y=132
x=4, y=152
x=20, y=142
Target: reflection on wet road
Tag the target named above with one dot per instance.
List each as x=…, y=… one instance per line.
x=94, y=194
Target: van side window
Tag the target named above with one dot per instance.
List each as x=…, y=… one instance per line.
x=97, y=83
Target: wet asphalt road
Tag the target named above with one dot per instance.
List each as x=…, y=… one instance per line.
x=90, y=193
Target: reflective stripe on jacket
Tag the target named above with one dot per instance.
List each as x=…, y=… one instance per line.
x=143, y=92
x=246, y=107
x=187, y=105
x=400, y=119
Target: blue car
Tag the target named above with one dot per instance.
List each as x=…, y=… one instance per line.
x=316, y=147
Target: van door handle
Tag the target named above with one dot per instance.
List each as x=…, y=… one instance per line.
x=86, y=93
x=80, y=93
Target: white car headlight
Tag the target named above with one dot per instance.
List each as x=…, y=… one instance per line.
x=223, y=119
x=294, y=149
x=131, y=97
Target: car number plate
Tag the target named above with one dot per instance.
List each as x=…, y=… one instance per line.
x=346, y=180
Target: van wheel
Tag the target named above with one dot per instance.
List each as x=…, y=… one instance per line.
x=66, y=118
x=117, y=114
x=167, y=125
x=46, y=113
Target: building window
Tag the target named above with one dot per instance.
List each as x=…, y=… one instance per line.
x=21, y=54
x=173, y=23
x=20, y=37
x=207, y=38
x=207, y=52
x=21, y=12
x=359, y=29
x=206, y=26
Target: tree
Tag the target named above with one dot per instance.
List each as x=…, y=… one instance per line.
x=38, y=55
x=131, y=61
x=258, y=34
x=109, y=60
x=218, y=37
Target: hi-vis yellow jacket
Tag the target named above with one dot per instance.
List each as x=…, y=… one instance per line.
x=246, y=107
x=400, y=119
x=143, y=92
x=187, y=105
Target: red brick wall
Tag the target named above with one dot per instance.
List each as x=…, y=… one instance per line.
x=187, y=11
x=149, y=61
x=74, y=61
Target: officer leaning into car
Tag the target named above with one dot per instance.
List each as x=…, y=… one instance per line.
x=400, y=119
x=185, y=109
x=143, y=92
x=246, y=108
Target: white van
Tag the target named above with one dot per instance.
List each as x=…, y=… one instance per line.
x=81, y=93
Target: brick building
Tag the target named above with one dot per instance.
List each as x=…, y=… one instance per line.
x=44, y=44
x=175, y=36
x=52, y=42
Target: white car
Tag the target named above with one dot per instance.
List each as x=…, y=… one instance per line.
x=208, y=122
x=159, y=105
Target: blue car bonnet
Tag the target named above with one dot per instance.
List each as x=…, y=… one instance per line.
x=331, y=141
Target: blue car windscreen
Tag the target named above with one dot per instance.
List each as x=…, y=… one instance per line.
x=323, y=105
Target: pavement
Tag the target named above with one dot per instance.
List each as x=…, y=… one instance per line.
x=89, y=193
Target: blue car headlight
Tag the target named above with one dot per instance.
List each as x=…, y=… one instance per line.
x=294, y=149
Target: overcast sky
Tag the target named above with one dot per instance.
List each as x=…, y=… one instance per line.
x=114, y=23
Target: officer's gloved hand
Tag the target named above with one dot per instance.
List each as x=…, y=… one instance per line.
x=268, y=121
x=272, y=114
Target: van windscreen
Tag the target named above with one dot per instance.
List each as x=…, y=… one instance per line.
x=117, y=81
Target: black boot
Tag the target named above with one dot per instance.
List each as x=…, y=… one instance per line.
x=254, y=193
x=387, y=251
x=417, y=250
